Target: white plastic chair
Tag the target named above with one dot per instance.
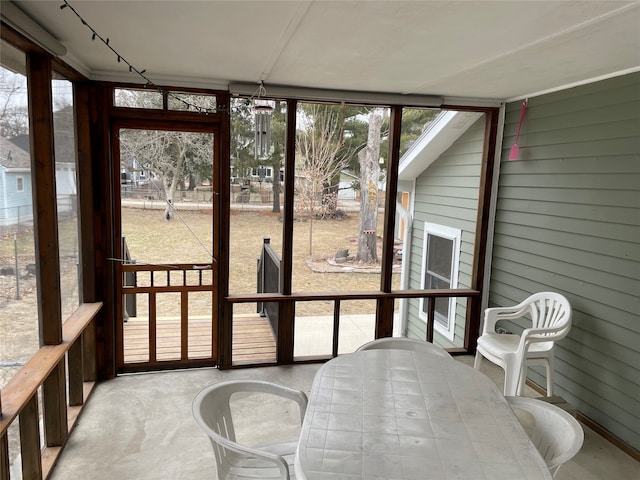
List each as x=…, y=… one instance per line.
x=556, y=434
x=403, y=343
x=550, y=314
x=211, y=411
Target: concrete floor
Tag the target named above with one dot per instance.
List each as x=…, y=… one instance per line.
x=140, y=427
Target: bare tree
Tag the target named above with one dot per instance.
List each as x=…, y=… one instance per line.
x=320, y=157
x=172, y=157
x=369, y=158
x=14, y=116
x=165, y=153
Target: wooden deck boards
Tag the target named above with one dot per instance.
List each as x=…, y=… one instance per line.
x=253, y=339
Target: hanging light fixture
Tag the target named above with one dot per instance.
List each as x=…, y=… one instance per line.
x=262, y=113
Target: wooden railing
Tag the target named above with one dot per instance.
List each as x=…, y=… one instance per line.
x=284, y=335
x=47, y=369
x=269, y=268
x=153, y=281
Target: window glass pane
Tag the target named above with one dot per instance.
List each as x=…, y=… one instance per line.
x=138, y=98
x=166, y=195
x=256, y=199
x=66, y=193
x=440, y=252
x=191, y=101
x=339, y=205
x=18, y=287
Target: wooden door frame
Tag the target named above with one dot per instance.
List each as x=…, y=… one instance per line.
x=169, y=121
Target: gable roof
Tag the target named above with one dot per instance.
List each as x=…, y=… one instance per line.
x=439, y=135
x=12, y=157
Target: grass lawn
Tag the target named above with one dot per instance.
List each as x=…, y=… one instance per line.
x=188, y=239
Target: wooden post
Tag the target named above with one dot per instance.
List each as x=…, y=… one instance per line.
x=30, y=440
x=44, y=197
x=54, y=392
x=84, y=168
x=54, y=398
x=76, y=376
x=336, y=327
x=4, y=457
x=285, y=335
x=431, y=312
x=286, y=312
x=474, y=304
x=384, y=307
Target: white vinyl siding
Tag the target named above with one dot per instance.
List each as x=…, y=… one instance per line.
x=446, y=193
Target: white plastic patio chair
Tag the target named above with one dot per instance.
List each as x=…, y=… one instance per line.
x=212, y=412
x=557, y=435
x=550, y=314
x=403, y=343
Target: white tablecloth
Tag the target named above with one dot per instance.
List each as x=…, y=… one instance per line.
x=396, y=414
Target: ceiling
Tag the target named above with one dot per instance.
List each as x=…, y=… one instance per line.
x=454, y=49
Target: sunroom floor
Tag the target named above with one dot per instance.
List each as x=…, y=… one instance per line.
x=140, y=427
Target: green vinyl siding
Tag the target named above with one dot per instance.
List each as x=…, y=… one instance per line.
x=568, y=220
x=446, y=194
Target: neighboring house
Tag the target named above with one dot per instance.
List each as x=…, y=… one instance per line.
x=15, y=180
x=567, y=219
x=132, y=172
x=15, y=184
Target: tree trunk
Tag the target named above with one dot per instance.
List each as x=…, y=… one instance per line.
x=169, y=189
x=176, y=177
x=369, y=158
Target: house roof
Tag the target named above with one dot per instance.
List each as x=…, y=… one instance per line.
x=471, y=49
x=12, y=157
x=439, y=135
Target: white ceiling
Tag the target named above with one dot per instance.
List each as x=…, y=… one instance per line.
x=471, y=49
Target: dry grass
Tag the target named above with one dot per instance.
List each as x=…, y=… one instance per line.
x=154, y=240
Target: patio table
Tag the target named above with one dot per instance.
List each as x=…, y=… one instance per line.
x=398, y=414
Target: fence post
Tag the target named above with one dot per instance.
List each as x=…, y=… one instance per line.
x=15, y=249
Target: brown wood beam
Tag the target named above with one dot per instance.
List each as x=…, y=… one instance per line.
x=4, y=457
x=384, y=306
x=355, y=295
x=184, y=325
x=289, y=186
x=76, y=376
x=285, y=335
x=86, y=227
x=286, y=310
x=395, y=130
x=43, y=176
x=474, y=304
x=30, y=439
x=105, y=234
x=43, y=179
x=336, y=328
x=222, y=318
x=54, y=406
